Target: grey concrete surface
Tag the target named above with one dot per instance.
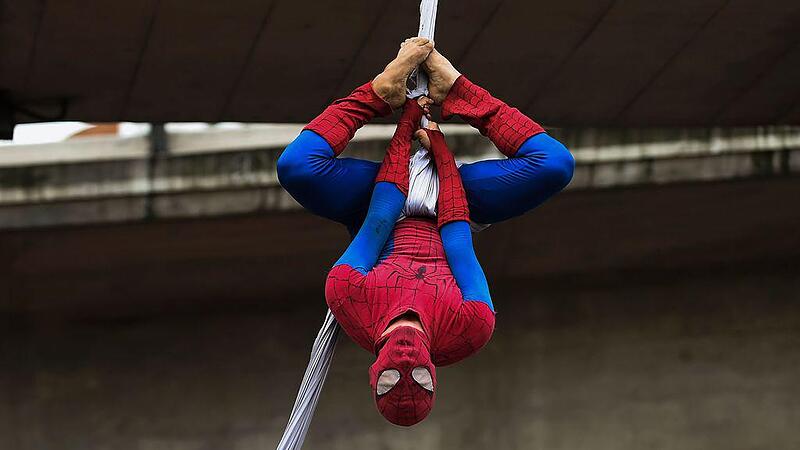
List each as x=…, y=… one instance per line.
x=659, y=317
x=696, y=360
x=567, y=63
x=171, y=304
x=219, y=173
x=158, y=266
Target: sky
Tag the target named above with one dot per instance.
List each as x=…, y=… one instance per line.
x=41, y=133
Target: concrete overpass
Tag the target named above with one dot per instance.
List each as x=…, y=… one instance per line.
x=568, y=63
x=167, y=301
x=99, y=180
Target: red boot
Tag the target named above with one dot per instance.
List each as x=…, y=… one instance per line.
x=340, y=121
x=505, y=126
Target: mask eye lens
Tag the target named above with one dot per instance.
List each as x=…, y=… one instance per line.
x=387, y=381
x=423, y=377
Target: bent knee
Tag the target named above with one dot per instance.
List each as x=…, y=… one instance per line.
x=554, y=162
x=560, y=164
x=301, y=160
x=291, y=167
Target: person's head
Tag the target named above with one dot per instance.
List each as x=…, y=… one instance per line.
x=403, y=378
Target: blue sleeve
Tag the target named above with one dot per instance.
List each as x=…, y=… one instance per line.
x=384, y=209
x=335, y=188
x=498, y=190
x=457, y=241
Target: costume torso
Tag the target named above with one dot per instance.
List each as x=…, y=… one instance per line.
x=411, y=275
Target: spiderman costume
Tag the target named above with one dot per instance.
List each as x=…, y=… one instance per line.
x=379, y=279
x=537, y=167
x=419, y=266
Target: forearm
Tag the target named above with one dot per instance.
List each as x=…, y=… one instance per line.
x=388, y=196
x=453, y=221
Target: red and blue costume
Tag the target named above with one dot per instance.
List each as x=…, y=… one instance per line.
x=419, y=266
x=537, y=167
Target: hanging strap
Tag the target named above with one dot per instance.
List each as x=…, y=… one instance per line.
x=311, y=386
x=424, y=182
x=427, y=29
x=325, y=343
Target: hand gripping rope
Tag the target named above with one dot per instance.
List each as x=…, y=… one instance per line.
x=325, y=343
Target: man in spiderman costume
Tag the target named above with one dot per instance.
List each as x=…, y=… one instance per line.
x=412, y=291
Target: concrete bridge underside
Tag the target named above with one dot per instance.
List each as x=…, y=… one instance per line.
x=567, y=63
x=660, y=317
x=167, y=301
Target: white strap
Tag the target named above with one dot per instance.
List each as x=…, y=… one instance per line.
x=423, y=186
x=427, y=29
x=325, y=343
x=311, y=386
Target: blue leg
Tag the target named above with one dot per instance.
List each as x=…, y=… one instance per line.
x=384, y=210
x=498, y=190
x=335, y=188
x=339, y=188
x=457, y=242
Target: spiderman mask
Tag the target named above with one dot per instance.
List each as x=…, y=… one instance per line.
x=403, y=378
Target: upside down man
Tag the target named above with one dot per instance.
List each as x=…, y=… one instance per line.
x=409, y=287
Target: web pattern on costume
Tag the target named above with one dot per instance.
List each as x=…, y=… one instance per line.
x=505, y=126
x=414, y=277
x=406, y=389
x=394, y=168
x=389, y=404
x=452, y=200
x=340, y=121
